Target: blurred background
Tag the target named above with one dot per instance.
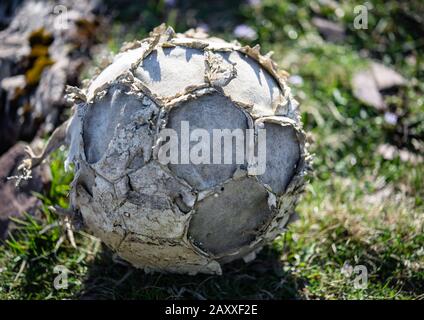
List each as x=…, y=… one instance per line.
x=356, y=68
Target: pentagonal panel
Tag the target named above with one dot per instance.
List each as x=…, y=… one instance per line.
x=231, y=217
x=168, y=71
x=253, y=85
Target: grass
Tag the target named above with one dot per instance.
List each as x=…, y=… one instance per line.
x=359, y=209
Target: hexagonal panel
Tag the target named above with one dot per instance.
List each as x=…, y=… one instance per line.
x=207, y=112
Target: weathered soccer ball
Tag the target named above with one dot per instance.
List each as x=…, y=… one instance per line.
x=184, y=217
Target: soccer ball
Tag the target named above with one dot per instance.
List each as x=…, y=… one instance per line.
x=207, y=205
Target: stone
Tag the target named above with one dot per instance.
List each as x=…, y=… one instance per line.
x=331, y=31
x=14, y=202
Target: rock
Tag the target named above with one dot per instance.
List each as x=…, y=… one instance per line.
x=386, y=78
x=39, y=56
x=390, y=152
x=7, y=10
x=368, y=84
x=15, y=201
x=365, y=89
x=13, y=83
x=331, y=31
